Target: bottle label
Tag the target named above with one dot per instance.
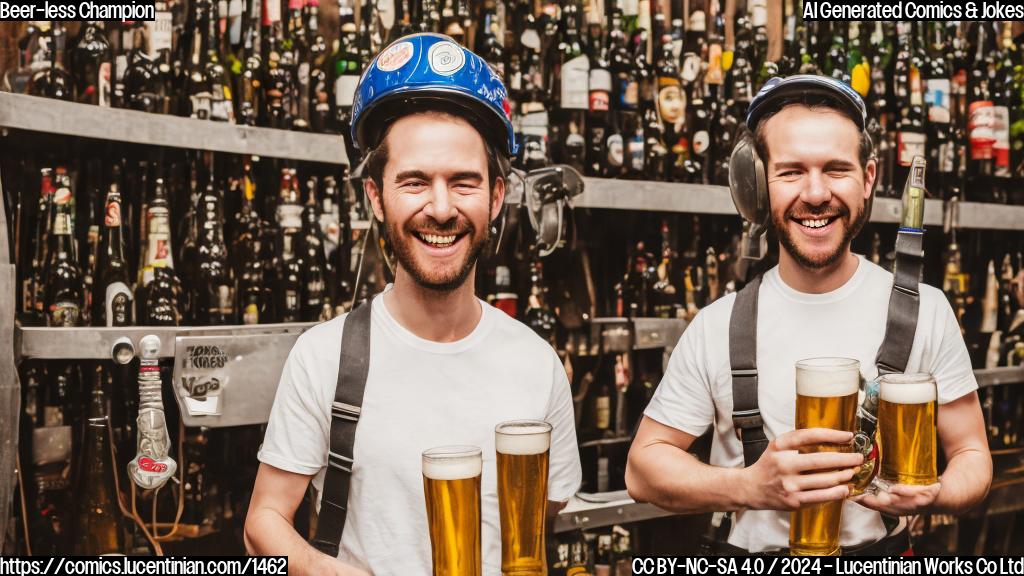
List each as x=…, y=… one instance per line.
x=224, y=300
x=112, y=218
x=636, y=153
x=118, y=304
x=200, y=105
x=915, y=86
x=62, y=225
x=691, y=67
x=947, y=157
x=615, y=151
x=599, y=101
x=715, y=73
x=603, y=412
x=629, y=93
x=345, y=90
x=910, y=144
x=959, y=84
x=937, y=98
x=981, y=129
x=698, y=21
x=64, y=314
x=271, y=12
x=291, y=300
x=574, y=80
x=103, y=84
x=630, y=7
x=1001, y=146
x=161, y=32
x=758, y=13
x=289, y=215
x=701, y=141
x=251, y=314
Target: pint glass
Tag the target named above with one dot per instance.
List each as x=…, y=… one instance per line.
x=451, y=486
x=826, y=397
x=522, y=447
x=906, y=425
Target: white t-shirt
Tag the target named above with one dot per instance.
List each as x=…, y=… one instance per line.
x=849, y=322
x=419, y=394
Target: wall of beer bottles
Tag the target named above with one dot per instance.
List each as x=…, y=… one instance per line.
x=106, y=234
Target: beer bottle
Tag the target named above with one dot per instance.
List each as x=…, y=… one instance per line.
x=941, y=147
x=603, y=560
x=221, y=105
x=112, y=303
x=277, y=84
x=599, y=115
x=34, y=282
x=981, y=110
x=212, y=299
x=836, y=58
x=64, y=285
x=51, y=79
x=285, y=264
x=488, y=43
x=143, y=85
x=91, y=64
x=319, y=79
x=911, y=140
x=98, y=514
x=572, y=77
x=314, y=301
x=296, y=51
x=250, y=93
x=537, y=315
x=665, y=296
x=51, y=525
x=345, y=69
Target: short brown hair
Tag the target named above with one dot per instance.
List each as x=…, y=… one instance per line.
x=378, y=157
x=865, y=147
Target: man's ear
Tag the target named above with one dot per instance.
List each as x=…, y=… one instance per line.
x=497, y=198
x=870, y=174
x=375, y=198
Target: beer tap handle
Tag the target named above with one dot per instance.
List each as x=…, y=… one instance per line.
x=152, y=465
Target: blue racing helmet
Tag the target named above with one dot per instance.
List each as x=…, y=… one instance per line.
x=431, y=72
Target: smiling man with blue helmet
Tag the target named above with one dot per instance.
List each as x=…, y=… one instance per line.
x=432, y=123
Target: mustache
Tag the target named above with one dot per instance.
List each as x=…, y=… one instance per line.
x=839, y=211
x=456, y=226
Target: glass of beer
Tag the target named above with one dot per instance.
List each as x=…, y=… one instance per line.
x=826, y=397
x=906, y=427
x=451, y=485
x=522, y=447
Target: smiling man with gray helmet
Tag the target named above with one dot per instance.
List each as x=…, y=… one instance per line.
x=424, y=364
x=804, y=168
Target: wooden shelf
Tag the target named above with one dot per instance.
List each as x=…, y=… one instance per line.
x=22, y=112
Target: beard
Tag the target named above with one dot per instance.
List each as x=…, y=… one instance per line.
x=817, y=262
x=433, y=278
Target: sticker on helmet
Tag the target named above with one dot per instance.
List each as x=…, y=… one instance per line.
x=446, y=58
x=395, y=56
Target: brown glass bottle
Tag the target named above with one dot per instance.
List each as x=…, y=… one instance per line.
x=98, y=529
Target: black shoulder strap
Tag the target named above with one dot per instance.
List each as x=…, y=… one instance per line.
x=746, y=416
x=353, y=368
x=904, y=303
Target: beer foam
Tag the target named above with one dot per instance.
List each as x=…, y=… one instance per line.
x=827, y=377
x=524, y=442
x=914, y=393
x=449, y=465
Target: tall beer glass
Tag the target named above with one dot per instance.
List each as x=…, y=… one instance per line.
x=826, y=397
x=451, y=485
x=906, y=425
x=522, y=447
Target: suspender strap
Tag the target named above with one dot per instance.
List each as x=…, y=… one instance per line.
x=904, y=303
x=353, y=368
x=746, y=416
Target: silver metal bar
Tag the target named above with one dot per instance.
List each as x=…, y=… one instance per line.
x=95, y=343
x=612, y=194
x=999, y=376
x=984, y=216
x=615, y=508
x=10, y=395
x=71, y=119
